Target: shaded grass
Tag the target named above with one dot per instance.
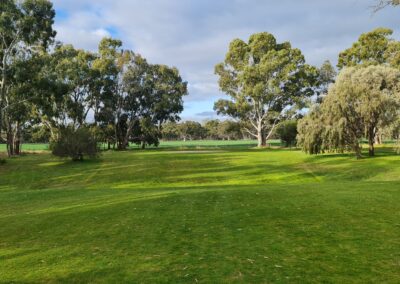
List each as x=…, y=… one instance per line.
x=234, y=215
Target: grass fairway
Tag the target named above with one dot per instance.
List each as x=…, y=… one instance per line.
x=227, y=214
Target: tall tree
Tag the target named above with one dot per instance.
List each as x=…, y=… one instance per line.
x=71, y=88
x=152, y=94
x=362, y=100
x=327, y=75
x=24, y=26
x=372, y=48
x=263, y=79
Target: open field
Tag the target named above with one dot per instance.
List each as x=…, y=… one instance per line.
x=233, y=214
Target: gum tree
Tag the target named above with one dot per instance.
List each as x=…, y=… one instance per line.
x=25, y=28
x=263, y=79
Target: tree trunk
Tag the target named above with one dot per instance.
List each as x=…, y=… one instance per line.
x=371, y=142
x=262, y=142
x=143, y=145
x=357, y=150
x=17, y=139
x=10, y=144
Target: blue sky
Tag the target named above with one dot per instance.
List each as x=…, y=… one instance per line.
x=193, y=35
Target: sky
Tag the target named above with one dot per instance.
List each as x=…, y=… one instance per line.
x=194, y=35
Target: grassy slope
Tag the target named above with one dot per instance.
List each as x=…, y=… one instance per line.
x=237, y=215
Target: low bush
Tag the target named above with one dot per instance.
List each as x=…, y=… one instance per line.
x=75, y=144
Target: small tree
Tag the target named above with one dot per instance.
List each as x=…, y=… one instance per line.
x=287, y=132
x=144, y=132
x=75, y=144
x=212, y=129
x=310, y=132
x=170, y=131
x=192, y=130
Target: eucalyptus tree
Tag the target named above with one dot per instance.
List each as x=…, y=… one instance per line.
x=263, y=79
x=153, y=95
x=372, y=48
x=192, y=130
x=23, y=93
x=71, y=88
x=327, y=75
x=25, y=28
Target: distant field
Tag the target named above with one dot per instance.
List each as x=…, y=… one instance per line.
x=168, y=144
x=230, y=214
x=195, y=144
x=28, y=147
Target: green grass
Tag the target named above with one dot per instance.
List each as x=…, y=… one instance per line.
x=167, y=144
x=230, y=214
x=28, y=147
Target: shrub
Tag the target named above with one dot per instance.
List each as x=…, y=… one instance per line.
x=75, y=144
x=287, y=132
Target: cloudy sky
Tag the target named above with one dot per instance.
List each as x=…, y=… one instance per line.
x=193, y=35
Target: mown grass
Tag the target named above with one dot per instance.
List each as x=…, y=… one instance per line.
x=229, y=214
x=166, y=144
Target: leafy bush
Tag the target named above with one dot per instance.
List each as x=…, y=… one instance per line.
x=287, y=132
x=75, y=143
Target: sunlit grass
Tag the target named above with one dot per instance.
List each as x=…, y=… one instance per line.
x=229, y=214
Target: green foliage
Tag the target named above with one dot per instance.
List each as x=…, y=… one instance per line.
x=327, y=75
x=213, y=129
x=75, y=143
x=25, y=31
x=287, y=132
x=362, y=101
x=192, y=130
x=263, y=79
x=310, y=132
x=144, y=133
x=372, y=48
x=170, y=131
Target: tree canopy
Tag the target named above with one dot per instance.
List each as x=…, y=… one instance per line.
x=263, y=79
x=372, y=48
x=363, y=100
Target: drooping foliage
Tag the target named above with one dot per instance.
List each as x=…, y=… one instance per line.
x=363, y=100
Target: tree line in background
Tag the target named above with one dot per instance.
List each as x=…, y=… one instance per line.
x=55, y=89
x=75, y=98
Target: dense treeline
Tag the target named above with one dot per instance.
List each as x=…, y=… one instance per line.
x=211, y=130
x=73, y=98
x=49, y=89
